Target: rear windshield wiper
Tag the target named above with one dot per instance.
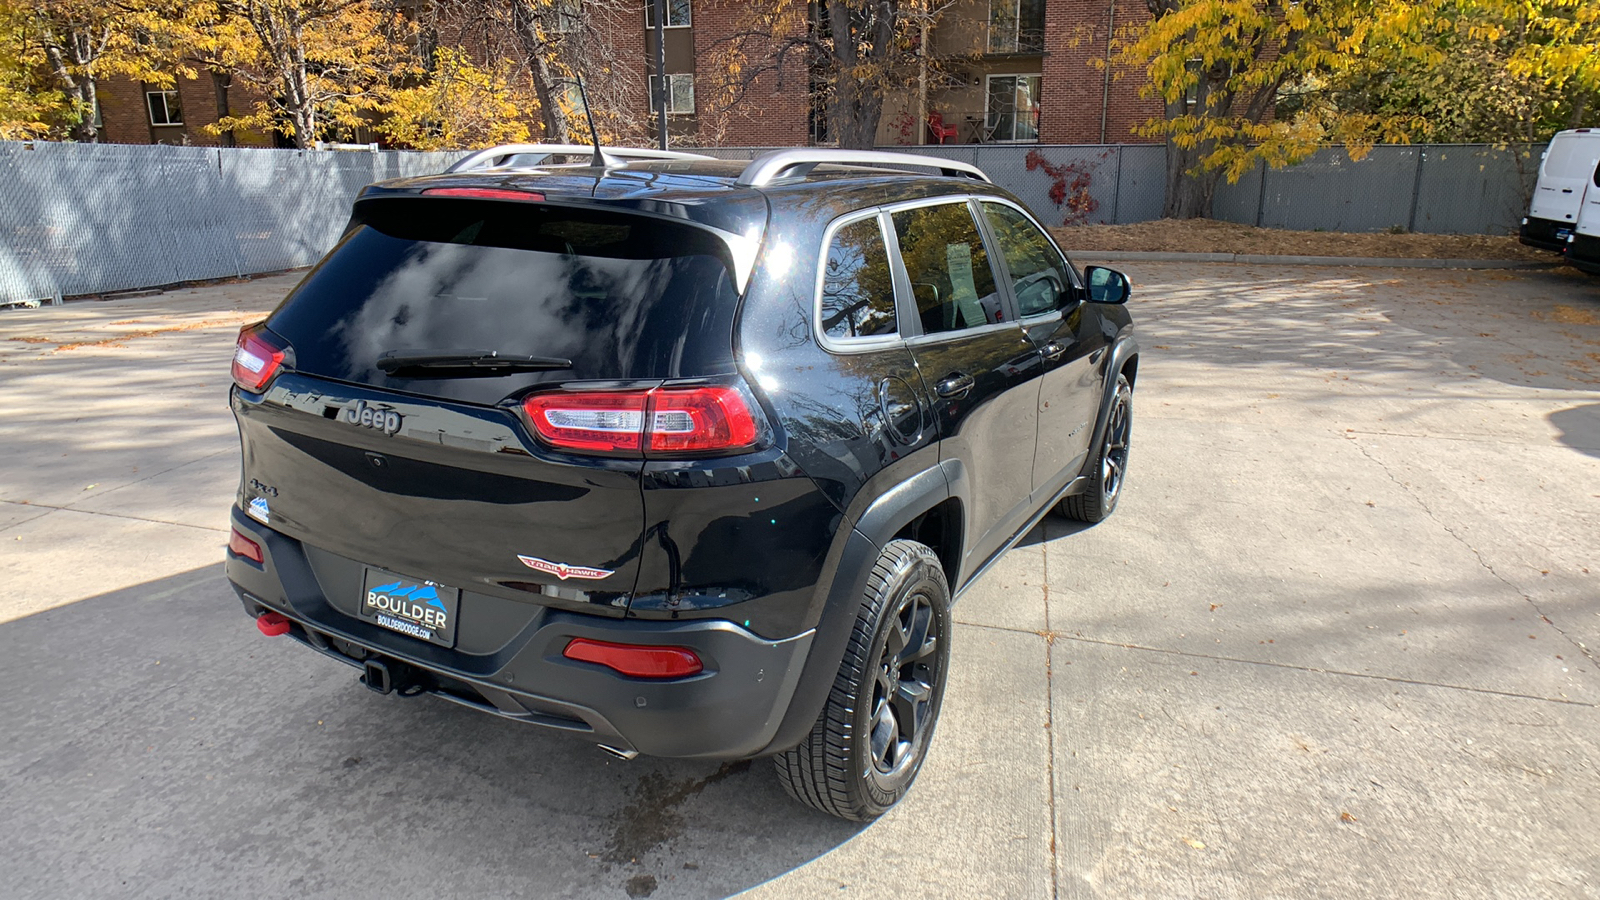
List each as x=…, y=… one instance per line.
x=466, y=362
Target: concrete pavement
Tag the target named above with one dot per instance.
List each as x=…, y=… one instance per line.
x=1339, y=641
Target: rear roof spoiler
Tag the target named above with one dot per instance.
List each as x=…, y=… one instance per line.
x=799, y=162
x=614, y=156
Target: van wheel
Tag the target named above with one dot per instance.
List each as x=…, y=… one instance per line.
x=868, y=745
x=1099, y=499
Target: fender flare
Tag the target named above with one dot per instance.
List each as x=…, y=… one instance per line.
x=1124, y=349
x=876, y=526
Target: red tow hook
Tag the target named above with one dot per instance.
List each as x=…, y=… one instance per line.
x=272, y=624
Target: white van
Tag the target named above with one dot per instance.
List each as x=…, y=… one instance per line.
x=1566, y=173
x=1583, y=245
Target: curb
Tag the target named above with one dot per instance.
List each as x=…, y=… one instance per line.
x=1361, y=261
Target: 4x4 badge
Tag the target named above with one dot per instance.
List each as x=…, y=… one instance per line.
x=562, y=570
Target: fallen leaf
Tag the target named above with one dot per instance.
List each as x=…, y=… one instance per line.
x=1194, y=843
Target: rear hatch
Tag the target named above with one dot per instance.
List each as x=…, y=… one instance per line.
x=392, y=438
x=1569, y=167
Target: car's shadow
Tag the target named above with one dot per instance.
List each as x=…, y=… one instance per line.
x=164, y=746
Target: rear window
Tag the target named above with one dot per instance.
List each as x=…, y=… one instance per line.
x=1570, y=156
x=622, y=296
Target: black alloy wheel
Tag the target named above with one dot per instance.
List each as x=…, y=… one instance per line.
x=902, y=695
x=869, y=743
x=1110, y=473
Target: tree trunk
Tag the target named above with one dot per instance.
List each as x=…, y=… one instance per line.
x=1189, y=189
x=1580, y=106
x=534, y=52
x=1189, y=194
x=857, y=103
x=220, y=84
x=81, y=89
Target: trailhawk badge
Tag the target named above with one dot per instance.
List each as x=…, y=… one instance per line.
x=562, y=570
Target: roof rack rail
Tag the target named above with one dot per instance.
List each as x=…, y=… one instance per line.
x=799, y=162
x=614, y=156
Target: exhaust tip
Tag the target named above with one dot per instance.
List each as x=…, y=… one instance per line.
x=618, y=752
x=272, y=624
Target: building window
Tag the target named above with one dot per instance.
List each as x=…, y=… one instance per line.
x=164, y=109
x=1013, y=107
x=677, y=14
x=1016, y=26
x=680, y=94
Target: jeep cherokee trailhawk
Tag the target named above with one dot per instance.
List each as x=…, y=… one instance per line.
x=682, y=456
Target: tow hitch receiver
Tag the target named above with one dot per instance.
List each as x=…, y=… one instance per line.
x=376, y=677
x=394, y=677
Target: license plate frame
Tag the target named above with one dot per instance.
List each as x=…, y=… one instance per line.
x=389, y=600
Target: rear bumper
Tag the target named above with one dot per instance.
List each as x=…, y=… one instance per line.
x=731, y=710
x=1543, y=233
x=1584, y=253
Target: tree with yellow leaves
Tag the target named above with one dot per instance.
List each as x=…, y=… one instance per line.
x=1219, y=67
x=1246, y=82
x=314, y=65
x=460, y=105
x=53, y=52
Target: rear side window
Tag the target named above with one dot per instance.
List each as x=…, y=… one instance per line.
x=620, y=295
x=1038, y=273
x=857, y=289
x=948, y=266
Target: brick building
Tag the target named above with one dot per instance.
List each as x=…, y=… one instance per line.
x=1019, y=71
x=1022, y=71
x=135, y=113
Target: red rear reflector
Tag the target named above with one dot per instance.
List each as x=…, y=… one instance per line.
x=484, y=194
x=256, y=358
x=663, y=421
x=635, y=661
x=239, y=545
x=272, y=624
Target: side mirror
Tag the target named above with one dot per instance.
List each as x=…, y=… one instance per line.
x=1107, y=285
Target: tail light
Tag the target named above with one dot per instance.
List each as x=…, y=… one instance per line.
x=240, y=545
x=636, y=661
x=256, y=358
x=664, y=421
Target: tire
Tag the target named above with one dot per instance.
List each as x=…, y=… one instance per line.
x=864, y=751
x=1100, y=498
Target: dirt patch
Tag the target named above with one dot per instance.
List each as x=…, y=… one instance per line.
x=118, y=340
x=1569, y=315
x=1208, y=236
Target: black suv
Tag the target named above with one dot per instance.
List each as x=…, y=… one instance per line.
x=683, y=456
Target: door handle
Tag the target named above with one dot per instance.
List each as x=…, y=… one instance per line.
x=1053, y=350
x=956, y=385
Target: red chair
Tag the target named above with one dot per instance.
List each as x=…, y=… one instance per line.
x=938, y=129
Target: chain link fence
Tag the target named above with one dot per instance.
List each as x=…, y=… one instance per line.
x=97, y=218
x=1427, y=188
